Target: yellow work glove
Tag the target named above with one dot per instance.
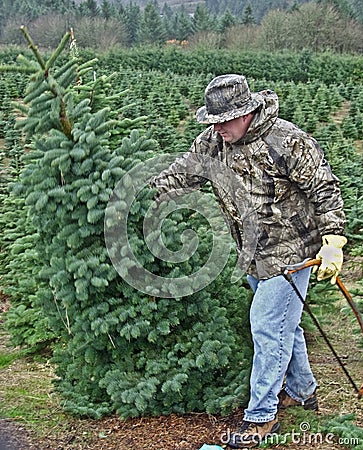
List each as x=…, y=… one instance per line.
x=331, y=256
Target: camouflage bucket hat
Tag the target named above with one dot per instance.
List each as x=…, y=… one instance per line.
x=227, y=97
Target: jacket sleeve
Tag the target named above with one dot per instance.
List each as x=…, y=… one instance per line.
x=187, y=173
x=312, y=173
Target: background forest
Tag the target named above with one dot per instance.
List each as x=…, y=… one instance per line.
x=234, y=24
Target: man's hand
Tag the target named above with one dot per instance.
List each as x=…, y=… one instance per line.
x=331, y=256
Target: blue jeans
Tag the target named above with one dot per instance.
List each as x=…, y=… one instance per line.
x=279, y=345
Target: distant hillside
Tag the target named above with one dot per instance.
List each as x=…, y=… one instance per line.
x=189, y=5
x=259, y=7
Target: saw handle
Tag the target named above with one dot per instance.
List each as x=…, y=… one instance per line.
x=309, y=263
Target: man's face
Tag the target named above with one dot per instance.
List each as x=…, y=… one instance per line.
x=233, y=130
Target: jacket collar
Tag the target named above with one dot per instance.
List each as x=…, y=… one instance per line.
x=264, y=118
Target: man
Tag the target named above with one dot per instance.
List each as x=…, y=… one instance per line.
x=283, y=175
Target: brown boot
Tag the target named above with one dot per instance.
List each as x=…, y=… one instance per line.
x=252, y=433
x=285, y=401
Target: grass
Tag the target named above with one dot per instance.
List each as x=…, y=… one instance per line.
x=7, y=358
x=26, y=389
x=26, y=397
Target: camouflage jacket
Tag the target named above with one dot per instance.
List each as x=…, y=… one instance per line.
x=278, y=193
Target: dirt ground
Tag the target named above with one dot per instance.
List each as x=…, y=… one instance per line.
x=191, y=431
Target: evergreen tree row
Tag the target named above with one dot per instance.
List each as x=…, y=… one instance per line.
x=306, y=66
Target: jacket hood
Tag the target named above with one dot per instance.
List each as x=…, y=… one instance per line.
x=265, y=116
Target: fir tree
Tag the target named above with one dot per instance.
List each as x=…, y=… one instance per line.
x=108, y=10
x=152, y=30
x=202, y=20
x=226, y=21
x=89, y=8
x=131, y=16
x=117, y=348
x=182, y=25
x=248, y=18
